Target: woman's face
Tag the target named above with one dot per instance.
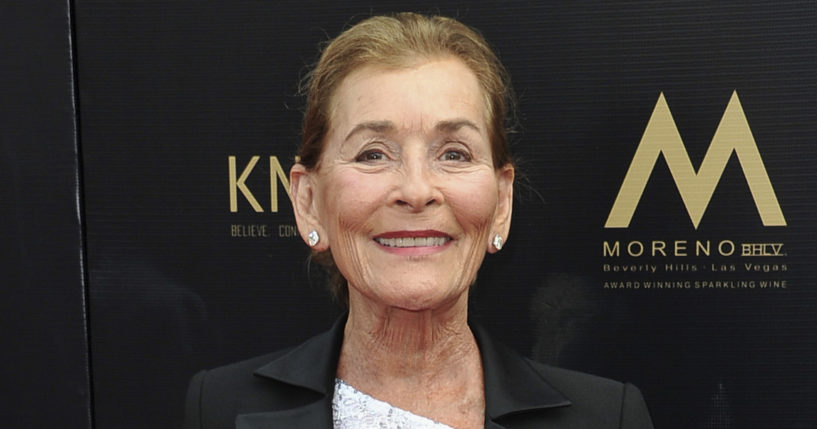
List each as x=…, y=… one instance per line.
x=406, y=194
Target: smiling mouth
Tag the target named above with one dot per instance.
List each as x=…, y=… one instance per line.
x=413, y=241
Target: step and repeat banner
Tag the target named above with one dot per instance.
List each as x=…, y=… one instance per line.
x=663, y=232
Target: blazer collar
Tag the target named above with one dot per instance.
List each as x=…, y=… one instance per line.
x=312, y=364
x=512, y=384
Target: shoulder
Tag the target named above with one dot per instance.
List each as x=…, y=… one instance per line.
x=216, y=396
x=598, y=401
x=578, y=386
x=236, y=374
x=284, y=380
x=522, y=393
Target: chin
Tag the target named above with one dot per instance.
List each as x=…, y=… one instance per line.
x=422, y=299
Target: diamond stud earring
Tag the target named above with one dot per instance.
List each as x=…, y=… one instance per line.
x=313, y=238
x=497, y=242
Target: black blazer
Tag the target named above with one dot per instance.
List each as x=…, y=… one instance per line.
x=293, y=389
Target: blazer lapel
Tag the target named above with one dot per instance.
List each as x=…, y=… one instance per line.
x=311, y=365
x=512, y=385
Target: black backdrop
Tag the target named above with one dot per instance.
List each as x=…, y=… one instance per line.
x=43, y=351
x=167, y=92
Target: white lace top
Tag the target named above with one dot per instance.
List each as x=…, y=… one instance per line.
x=353, y=409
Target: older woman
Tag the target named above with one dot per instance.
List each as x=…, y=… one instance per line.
x=404, y=183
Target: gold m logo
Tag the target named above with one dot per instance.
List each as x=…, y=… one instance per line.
x=661, y=137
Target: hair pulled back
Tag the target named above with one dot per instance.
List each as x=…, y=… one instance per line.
x=398, y=41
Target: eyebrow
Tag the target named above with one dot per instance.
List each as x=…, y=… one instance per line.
x=386, y=125
x=456, y=124
x=376, y=126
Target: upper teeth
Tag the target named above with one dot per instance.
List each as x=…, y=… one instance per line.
x=412, y=241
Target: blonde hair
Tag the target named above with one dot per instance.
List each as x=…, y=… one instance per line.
x=398, y=41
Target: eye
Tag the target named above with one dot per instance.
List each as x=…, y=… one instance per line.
x=455, y=155
x=371, y=155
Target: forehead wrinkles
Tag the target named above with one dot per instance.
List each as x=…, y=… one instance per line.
x=367, y=70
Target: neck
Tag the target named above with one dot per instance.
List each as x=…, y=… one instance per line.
x=397, y=344
x=425, y=361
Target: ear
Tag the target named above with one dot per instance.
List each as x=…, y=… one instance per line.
x=504, y=206
x=303, y=193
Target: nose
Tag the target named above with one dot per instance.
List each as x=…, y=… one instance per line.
x=418, y=188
